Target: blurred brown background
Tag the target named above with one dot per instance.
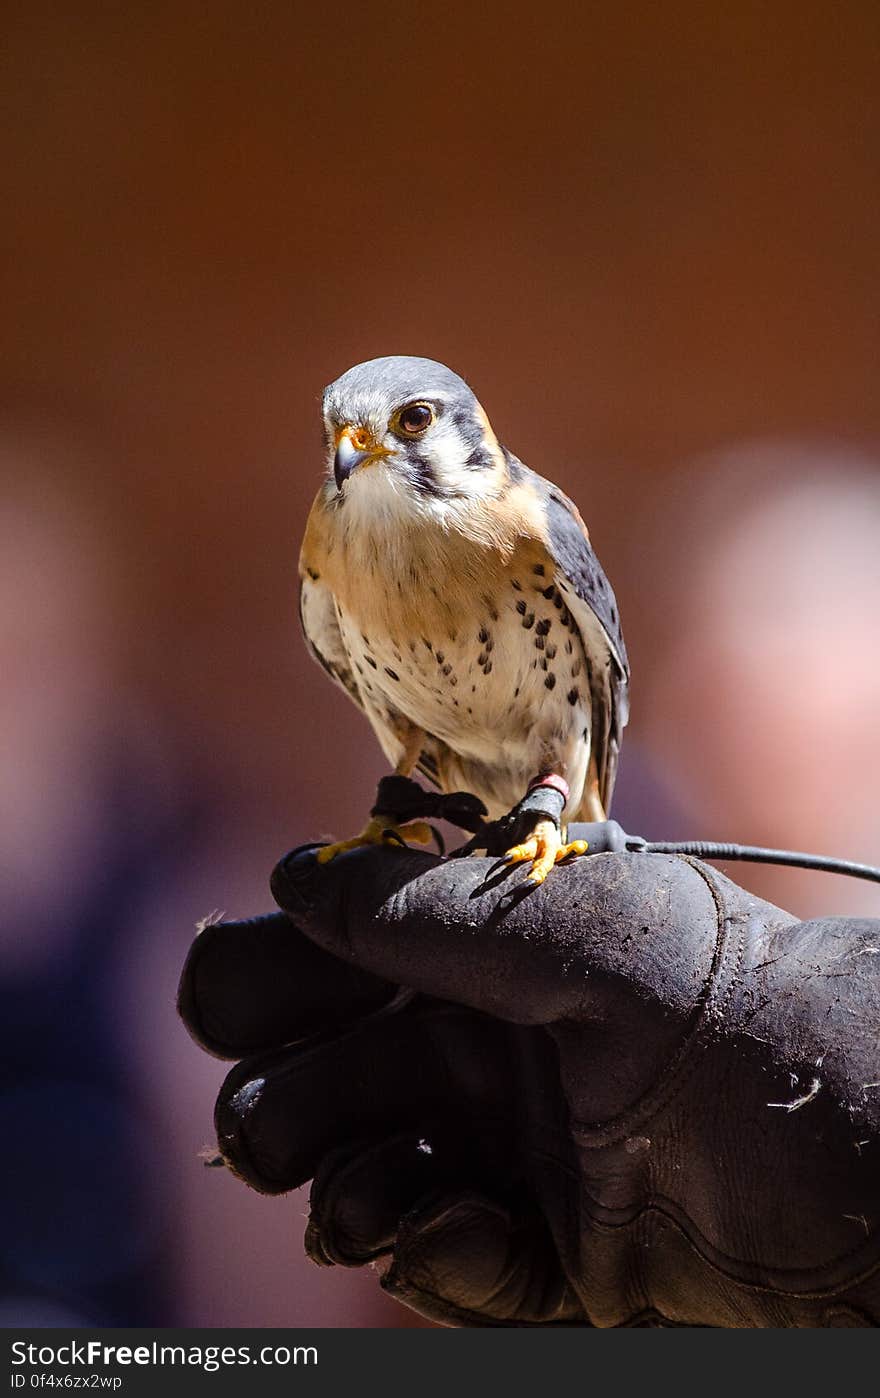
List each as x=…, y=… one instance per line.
x=648, y=237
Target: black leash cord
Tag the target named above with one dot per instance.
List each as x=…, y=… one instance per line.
x=607, y=836
x=703, y=849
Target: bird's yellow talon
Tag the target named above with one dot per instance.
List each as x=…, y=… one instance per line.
x=377, y=832
x=543, y=864
x=543, y=851
x=571, y=850
x=328, y=852
x=520, y=853
x=417, y=831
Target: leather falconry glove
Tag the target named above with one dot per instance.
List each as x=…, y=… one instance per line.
x=637, y=1095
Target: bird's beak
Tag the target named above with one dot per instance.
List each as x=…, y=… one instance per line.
x=354, y=447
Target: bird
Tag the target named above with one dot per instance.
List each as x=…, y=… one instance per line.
x=455, y=596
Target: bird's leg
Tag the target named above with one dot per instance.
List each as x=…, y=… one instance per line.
x=545, y=847
x=382, y=827
x=546, y=844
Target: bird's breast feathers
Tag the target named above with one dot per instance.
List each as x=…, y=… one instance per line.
x=465, y=632
x=398, y=564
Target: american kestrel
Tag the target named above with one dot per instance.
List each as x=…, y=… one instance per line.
x=455, y=596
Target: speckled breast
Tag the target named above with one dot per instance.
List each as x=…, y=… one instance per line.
x=493, y=669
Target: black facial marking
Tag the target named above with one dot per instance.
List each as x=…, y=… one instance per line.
x=529, y=621
x=371, y=661
x=312, y=574
x=539, y=643
x=483, y=635
x=426, y=643
x=421, y=476
x=573, y=696
x=447, y=669
x=439, y=657
x=517, y=586
x=470, y=430
x=487, y=668
x=544, y=662
x=551, y=651
x=391, y=673
x=557, y=601
x=539, y=570
x=463, y=421
x=550, y=681
x=480, y=459
x=482, y=658
x=568, y=647
x=549, y=592
x=521, y=606
x=542, y=627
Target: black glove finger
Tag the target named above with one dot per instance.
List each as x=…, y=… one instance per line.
x=465, y=931
x=248, y=987
x=360, y=1194
x=469, y=1260
x=280, y=1116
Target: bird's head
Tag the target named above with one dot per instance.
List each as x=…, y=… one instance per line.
x=411, y=428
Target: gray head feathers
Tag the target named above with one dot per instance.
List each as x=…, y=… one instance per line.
x=379, y=386
x=453, y=455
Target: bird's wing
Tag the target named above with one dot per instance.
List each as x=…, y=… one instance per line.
x=320, y=624
x=591, y=601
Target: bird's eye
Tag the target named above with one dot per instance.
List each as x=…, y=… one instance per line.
x=415, y=418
